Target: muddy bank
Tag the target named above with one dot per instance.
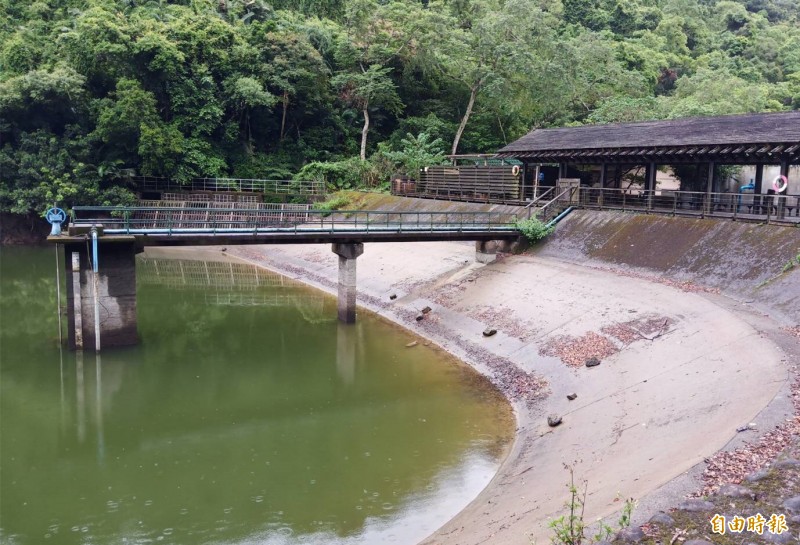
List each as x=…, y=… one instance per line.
x=679, y=372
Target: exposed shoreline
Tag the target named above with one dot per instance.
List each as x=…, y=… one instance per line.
x=610, y=427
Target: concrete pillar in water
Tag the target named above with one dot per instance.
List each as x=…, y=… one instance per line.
x=74, y=319
x=485, y=251
x=348, y=253
x=116, y=290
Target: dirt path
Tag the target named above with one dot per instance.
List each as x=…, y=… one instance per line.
x=679, y=373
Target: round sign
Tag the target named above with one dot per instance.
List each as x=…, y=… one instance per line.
x=55, y=215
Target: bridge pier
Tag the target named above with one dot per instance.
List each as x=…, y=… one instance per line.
x=348, y=253
x=116, y=290
x=485, y=251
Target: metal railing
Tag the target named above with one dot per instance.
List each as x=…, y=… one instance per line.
x=747, y=206
x=433, y=187
x=276, y=187
x=180, y=220
x=553, y=206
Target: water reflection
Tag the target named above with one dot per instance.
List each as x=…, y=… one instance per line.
x=229, y=283
x=236, y=424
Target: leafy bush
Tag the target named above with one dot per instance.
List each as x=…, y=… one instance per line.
x=533, y=229
x=352, y=173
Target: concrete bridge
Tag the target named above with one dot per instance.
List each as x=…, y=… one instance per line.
x=101, y=244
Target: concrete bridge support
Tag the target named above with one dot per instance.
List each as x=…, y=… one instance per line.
x=116, y=291
x=485, y=251
x=348, y=253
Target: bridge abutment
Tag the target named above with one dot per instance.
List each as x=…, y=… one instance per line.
x=348, y=253
x=116, y=289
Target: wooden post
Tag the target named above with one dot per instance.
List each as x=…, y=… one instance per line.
x=780, y=200
x=759, y=183
x=709, y=187
x=536, y=182
x=603, y=175
x=652, y=172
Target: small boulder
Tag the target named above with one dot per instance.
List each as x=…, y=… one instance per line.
x=662, y=519
x=411, y=344
x=426, y=310
x=572, y=397
x=696, y=505
x=553, y=420
x=393, y=296
x=630, y=535
x=592, y=362
x=757, y=476
x=488, y=332
x=736, y=491
x=785, y=537
x=420, y=317
x=792, y=504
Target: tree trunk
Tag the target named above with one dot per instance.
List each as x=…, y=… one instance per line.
x=364, y=132
x=285, y=107
x=472, y=94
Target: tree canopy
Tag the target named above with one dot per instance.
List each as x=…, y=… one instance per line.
x=95, y=91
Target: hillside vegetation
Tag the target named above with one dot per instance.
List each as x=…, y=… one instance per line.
x=93, y=91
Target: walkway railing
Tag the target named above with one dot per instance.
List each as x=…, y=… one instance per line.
x=181, y=220
x=769, y=208
x=276, y=187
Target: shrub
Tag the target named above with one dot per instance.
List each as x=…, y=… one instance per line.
x=533, y=229
x=352, y=173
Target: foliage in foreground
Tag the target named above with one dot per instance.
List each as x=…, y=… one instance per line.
x=570, y=529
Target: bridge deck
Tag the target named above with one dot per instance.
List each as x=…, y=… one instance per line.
x=173, y=226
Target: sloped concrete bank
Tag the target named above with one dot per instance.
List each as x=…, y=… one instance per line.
x=746, y=261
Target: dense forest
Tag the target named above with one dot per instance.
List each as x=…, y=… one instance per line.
x=95, y=91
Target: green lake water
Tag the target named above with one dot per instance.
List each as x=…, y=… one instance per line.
x=246, y=415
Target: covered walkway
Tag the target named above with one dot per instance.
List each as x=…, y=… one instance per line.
x=698, y=151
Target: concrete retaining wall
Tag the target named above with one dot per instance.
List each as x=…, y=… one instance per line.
x=743, y=260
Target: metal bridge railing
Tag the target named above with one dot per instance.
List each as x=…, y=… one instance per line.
x=277, y=187
x=181, y=220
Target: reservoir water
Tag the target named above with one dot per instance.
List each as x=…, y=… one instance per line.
x=246, y=415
